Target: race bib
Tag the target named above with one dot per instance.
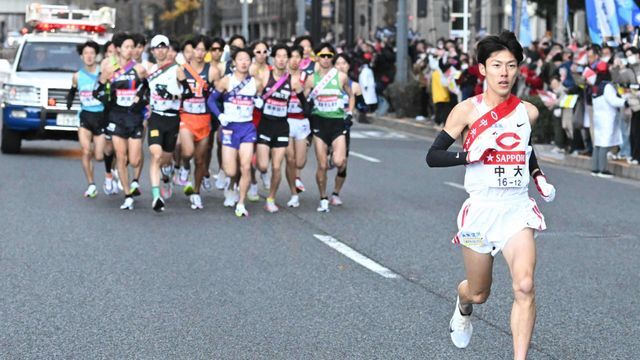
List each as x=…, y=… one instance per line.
x=294, y=105
x=243, y=107
x=471, y=238
x=125, y=97
x=227, y=137
x=328, y=103
x=195, y=106
x=275, y=108
x=508, y=169
x=87, y=99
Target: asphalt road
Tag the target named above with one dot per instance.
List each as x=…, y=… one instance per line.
x=80, y=278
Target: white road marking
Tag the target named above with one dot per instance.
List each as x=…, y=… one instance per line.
x=455, y=185
x=364, y=157
x=376, y=134
x=356, y=256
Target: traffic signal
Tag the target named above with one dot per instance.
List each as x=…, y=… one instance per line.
x=422, y=8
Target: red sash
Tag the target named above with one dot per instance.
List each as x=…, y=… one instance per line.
x=491, y=117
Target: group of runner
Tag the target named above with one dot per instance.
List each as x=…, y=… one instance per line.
x=263, y=107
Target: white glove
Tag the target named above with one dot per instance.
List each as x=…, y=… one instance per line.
x=224, y=119
x=258, y=102
x=480, y=148
x=546, y=190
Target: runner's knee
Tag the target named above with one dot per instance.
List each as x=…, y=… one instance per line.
x=523, y=288
x=480, y=297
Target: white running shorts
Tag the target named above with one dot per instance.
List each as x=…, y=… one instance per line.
x=485, y=226
x=299, y=129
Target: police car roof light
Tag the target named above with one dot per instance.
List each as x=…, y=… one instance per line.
x=52, y=18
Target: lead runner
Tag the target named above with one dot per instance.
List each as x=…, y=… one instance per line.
x=499, y=214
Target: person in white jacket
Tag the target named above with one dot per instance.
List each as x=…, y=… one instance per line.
x=607, y=134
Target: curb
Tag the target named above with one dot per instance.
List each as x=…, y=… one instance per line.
x=618, y=168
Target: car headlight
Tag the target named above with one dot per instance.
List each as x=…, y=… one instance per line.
x=21, y=94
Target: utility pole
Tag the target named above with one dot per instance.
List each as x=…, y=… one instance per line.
x=517, y=13
x=402, y=45
x=465, y=26
x=316, y=21
x=560, y=25
x=302, y=14
x=135, y=16
x=245, y=18
x=206, y=23
x=350, y=22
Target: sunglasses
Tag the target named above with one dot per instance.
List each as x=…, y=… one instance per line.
x=326, y=55
x=260, y=52
x=216, y=49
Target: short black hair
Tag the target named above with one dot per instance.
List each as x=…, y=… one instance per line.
x=106, y=45
x=205, y=40
x=219, y=41
x=298, y=49
x=276, y=47
x=92, y=44
x=236, y=37
x=343, y=56
x=241, y=50
x=325, y=45
x=119, y=39
x=302, y=38
x=596, y=49
x=258, y=42
x=187, y=42
x=139, y=39
x=174, y=45
x=505, y=41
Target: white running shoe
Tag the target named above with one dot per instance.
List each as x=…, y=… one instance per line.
x=299, y=185
x=116, y=178
x=127, y=204
x=294, y=202
x=252, y=195
x=229, y=198
x=206, y=183
x=183, y=176
x=266, y=180
x=167, y=171
x=324, y=206
x=460, y=327
x=166, y=189
x=196, y=201
x=92, y=191
x=271, y=206
x=241, y=210
x=135, y=188
x=221, y=180
x=157, y=204
x=335, y=200
x=108, y=186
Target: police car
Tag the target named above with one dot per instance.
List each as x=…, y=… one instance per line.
x=33, y=97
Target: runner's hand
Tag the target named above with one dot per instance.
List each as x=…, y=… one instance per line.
x=546, y=190
x=224, y=120
x=258, y=102
x=481, y=148
x=348, y=120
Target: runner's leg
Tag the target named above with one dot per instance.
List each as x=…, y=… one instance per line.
x=321, y=170
x=84, y=137
x=245, y=154
x=120, y=145
x=202, y=148
x=277, y=155
x=520, y=255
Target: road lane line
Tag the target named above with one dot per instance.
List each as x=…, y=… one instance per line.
x=364, y=157
x=455, y=185
x=356, y=256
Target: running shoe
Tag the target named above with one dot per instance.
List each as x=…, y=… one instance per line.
x=127, y=204
x=460, y=327
x=221, y=180
x=324, y=206
x=167, y=171
x=252, y=195
x=206, y=183
x=158, y=204
x=229, y=198
x=300, y=185
x=196, y=201
x=271, y=206
x=183, y=178
x=188, y=189
x=108, y=185
x=92, y=191
x=241, y=210
x=166, y=189
x=266, y=180
x=605, y=174
x=135, y=188
x=116, y=177
x=294, y=202
x=335, y=200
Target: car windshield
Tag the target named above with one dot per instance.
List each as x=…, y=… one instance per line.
x=49, y=56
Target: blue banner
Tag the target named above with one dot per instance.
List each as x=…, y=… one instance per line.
x=525, y=28
x=602, y=20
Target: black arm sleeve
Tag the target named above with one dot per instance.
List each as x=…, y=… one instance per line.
x=186, y=90
x=142, y=89
x=100, y=92
x=534, y=169
x=438, y=156
x=70, y=96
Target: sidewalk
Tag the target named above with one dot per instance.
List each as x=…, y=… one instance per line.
x=543, y=151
